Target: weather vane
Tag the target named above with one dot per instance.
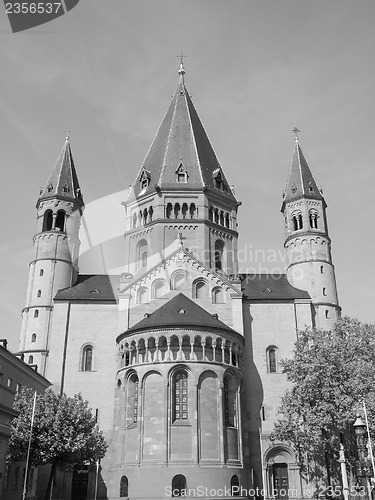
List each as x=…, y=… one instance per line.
x=296, y=130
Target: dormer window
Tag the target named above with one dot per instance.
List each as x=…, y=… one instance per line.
x=218, y=179
x=181, y=173
x=311, y=188
x=49, y=187
x=66, y=189
x=144, y=179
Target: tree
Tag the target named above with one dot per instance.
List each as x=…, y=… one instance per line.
x=64, y=431
x=331, y=375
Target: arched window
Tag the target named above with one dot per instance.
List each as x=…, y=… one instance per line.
x=179, y=281
x=297, y=221
x=41, y=272
x=33, y=337
x=47, y=220
x=327, y=314
x=230, y=393
x=124, y=487
x=177, y=209
x=142, y=295
x=36, y=313
x=235, y=486
x=87, y=358
x=200, y=289
x=31, y=360
x=60, y=221
x=324, y=291
x=218, y=296
x=192, y=211
x=271, y=360
x=132, y=400
x=313, y=217
x=168, y=210
x=142, y=254
x=180, y=397
x=39, y=294
x=219, y=250
x=179, y=486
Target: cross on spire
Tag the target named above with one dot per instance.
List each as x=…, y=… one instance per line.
x=68, y=130
x=181, y=70
x=296, y=131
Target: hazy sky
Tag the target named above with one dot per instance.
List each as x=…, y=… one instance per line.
x=255, y=69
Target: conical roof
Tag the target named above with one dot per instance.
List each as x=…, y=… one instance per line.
x=63, y=181
x=180, y=312
x=181, y=146
x=301, y=182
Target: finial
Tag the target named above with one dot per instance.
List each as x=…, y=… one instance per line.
x=68, y=130
x=181, y=70
x=295, y=130
x=180, y=239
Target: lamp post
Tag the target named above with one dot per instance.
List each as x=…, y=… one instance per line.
x=363, y=467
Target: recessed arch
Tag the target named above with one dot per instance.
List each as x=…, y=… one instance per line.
x=179, y=280
x=219, y=255
x=200, y=289
x=60, y=220
x=159, y=289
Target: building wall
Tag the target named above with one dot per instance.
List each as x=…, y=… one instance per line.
x=14, y=375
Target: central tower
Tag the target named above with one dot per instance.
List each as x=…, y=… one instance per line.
x=181, y=188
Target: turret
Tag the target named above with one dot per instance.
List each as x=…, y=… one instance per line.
x=181, y=188
x=54, y=263
x=307, y=242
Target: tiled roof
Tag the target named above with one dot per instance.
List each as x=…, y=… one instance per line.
x=100, y=288
x=178, y=312
x=181, y=140
x=301, y=181
x=269, y=287
x=63, y=181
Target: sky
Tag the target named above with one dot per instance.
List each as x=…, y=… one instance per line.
x=254, y=69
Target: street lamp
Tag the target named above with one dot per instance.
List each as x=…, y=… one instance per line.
x=363, y=467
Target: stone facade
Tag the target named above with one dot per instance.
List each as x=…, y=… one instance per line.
x=179, y=355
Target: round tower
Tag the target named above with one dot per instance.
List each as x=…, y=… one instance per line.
x=54, y=263
x=307, y=242
x=179, y=429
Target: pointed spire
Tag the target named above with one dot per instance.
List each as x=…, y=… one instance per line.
x=63, y=181
x=181, y=155
x=301, y=182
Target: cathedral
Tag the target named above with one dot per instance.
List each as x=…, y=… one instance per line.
x=179, y=355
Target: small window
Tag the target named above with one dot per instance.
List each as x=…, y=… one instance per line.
x=36, y=313
x=327, y=314
x=18, y=388
x=271, y=355
x=219, y=251
x=31, y=360
x=179, y=486
x=142, y=254
x=39, y=294
x=87, y=358
x=132, y=400
x=33, y=337
x=9, y=383
x=230, y=392
x=321, y=269
x=124, y=487
x=41, y=272
x=180, y=397
x=235, y=486
x=263, y=414
x=324, y=291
